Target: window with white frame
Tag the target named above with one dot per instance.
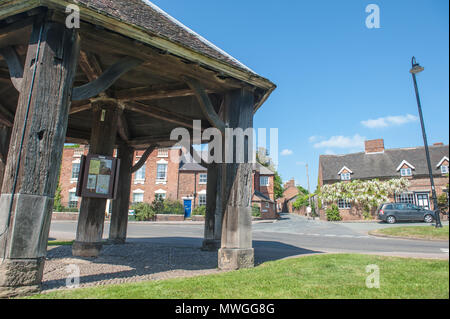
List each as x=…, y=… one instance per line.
x=344, y=204
x=161, y=195
x=161, y=173
x=407, y=198
x=140, y=174
x=444, y=169
x=73, y=200
x=202, y=199
x=75, y=170
x=203, y=179
x=406, y=172
x=163, y=152
x=345, y=177
x=138, y=197
x=264, y=180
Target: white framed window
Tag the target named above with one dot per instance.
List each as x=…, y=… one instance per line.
x=406, y=172
x=75, y=170
x=444, y=169
x=345, y=177
x=138, y=197
x=140, y=174
x=202, y=199
x=161, y=173
x=267, y=205
x=344, y=204
x=73, y=199
x=163, y=152
x=407, y=198
x=264, y=180
x=203, y=179
x=160, y=194
x=78, y=153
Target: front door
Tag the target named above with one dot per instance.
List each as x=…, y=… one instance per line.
x=423, y=200
x=187, y=208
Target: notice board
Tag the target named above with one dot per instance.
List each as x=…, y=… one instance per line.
x=98, y=176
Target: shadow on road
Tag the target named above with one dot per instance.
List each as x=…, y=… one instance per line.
x=149, y=259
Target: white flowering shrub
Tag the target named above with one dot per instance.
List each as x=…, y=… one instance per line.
x=368, y=194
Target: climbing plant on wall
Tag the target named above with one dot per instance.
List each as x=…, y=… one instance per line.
x=368, y=194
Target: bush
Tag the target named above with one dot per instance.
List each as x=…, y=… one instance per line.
x=172, y=207
x=333, y=214
x=256, y=211
x=144, y=212
x=200, y=210
x=443, y=202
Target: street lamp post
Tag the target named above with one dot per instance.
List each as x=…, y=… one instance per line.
x=416, y=68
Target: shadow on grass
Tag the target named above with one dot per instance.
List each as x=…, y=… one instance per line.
x=149, y=256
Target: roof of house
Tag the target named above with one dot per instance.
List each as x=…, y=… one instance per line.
x=261, y=197
x=382, y=165
x=148, y=16
x=263, y=170
x=290, y=192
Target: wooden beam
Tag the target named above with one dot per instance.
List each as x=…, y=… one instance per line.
x=15, y=66
x=106, y=80
x=122, y=128
x=205, y=104
x=143, y=159
x=159, y=113
x=89, y=64
x=154, y=92
x=80, y=108
x=145, y=142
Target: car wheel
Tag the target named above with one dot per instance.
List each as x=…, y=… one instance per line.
x=391, y=220
x=428, y=219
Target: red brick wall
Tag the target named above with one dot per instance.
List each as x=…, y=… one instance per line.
x=189, y=186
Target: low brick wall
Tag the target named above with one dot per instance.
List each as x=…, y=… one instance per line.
x=169, y=218
x=64, y=216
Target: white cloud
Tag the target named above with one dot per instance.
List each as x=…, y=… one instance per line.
x=390, y=121
x=330, y=152
x=287, y=152
x=345, y=142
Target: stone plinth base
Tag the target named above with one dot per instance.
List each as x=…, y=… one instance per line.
x=211, y=245
x=81, y=249
x=233, y=259
x=20, y=277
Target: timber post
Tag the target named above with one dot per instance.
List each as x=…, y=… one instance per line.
x=91, y=219
x=5, y=136
x=236, y=247
x=120, y=206
x=211, y=240
x=37, y=141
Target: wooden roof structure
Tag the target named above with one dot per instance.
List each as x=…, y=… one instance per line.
x=153, y=66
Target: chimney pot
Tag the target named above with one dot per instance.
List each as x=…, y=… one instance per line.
x=374, y=146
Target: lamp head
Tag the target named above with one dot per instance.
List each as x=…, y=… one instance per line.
x=416, y=68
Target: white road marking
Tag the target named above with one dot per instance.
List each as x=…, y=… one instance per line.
x=444, y=250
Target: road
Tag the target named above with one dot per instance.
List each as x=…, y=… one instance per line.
x=290, y=236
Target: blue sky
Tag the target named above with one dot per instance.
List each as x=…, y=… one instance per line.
x=339, y=83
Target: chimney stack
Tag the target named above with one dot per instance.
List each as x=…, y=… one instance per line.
x=375, y=146
x=438, y=144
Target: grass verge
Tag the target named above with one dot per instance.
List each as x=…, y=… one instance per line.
x=310, y=277
x=414, y=232
x=60, y=243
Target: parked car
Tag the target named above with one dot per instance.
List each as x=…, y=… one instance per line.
x=395, y=212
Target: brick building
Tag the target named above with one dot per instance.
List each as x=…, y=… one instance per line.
x=167, y=174
x=384, y=164
x=290, y=194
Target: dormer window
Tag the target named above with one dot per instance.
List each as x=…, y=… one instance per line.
x=405, y=169
x=443, y=164
x=404, y=172
x=345, y=173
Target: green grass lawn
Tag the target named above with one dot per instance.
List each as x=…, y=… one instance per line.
x=318, y=276
x=416, y=232
x=60, y=243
